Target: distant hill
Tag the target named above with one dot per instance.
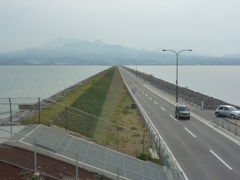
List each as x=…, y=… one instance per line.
x=233, y=55
x=74, y=51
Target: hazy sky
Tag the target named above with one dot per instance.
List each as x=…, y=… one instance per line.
x=206, y=26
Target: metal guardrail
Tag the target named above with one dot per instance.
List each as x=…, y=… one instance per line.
x=227, y=125
x=174, y=170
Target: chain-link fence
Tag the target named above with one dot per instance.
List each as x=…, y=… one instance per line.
x=38, y=163
x=175, y=172
x=75, y=161
x=87, y=126
x=132, y=141
x=227, y=125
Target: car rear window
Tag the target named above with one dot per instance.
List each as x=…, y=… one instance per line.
x=182, y=108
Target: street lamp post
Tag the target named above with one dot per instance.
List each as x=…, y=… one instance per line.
x=177, y=54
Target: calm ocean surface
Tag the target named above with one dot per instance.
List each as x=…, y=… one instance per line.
x=221, y=82
x=38, y=81
x=41, y=81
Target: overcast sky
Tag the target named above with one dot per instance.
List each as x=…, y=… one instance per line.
x=210, y=27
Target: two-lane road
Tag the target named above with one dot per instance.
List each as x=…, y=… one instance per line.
x=203, y=154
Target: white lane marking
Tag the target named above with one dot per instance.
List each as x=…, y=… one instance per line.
x=229, y=167
x=149, y=120
x=190, y=132
x=218, y=129
x=163, y=109
x=206, y=122
x=157, y=93
x=173, y=117
x=155, y=102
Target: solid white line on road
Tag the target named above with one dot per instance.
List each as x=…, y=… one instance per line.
x=173, y=117
x=163, y=109
x=229, y=167
x=190, y=132
x=206, y=122
x=149, y=120
x=155, y=102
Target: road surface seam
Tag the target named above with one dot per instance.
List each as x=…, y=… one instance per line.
x=222, y=161
x=190, y=132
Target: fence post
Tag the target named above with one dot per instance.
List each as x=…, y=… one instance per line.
x=143, y=142
x=77, y=166
x=117, y=173
x=35, y=156
x=39, y=109
x=65, y=112
x=10, y=106
x=159, y=149
x=117, y=138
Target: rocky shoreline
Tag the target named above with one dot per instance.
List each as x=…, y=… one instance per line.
x=186, y=94
x=18, y=117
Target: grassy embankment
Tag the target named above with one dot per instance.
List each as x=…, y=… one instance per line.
x=49, y=114
x=107, y=98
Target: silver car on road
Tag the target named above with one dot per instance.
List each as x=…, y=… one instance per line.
x=227, y=111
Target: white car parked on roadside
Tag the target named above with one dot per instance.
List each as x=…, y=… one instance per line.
x=227, y=111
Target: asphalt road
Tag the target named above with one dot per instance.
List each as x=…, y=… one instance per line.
x=203, y=153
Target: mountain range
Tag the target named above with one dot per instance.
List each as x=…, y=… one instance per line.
x=74, y=51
